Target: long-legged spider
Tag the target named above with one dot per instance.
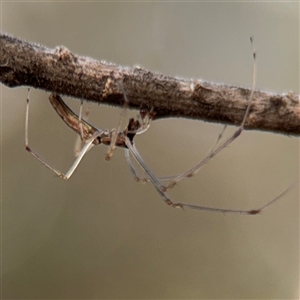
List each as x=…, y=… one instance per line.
x=92, y=136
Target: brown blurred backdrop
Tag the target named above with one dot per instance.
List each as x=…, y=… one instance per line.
x=102, y=235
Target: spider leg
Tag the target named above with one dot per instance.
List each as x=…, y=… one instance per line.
x=65, y=112
x=156, y=183
x=146, y=118
x=237, y=211
x=214, y=151
x=134, y=127
x=80, y=138
x=209, y=152
x=162, y=191
x=218, y=139
x=135, y=174
x=192, y=171
x=79, y=120
x=133, y=170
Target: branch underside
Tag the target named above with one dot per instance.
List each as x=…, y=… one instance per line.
x=61, y=72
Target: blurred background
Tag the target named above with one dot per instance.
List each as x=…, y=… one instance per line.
x=102, y=235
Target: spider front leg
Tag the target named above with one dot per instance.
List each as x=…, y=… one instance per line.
x=65, y=113
x=215, y=150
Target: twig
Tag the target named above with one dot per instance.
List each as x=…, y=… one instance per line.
x=62, y=72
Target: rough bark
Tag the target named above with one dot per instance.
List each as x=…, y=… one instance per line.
x=62, y=72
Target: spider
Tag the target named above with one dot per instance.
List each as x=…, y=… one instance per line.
x=91, y=136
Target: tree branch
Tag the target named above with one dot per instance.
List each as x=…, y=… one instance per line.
x=62, y=72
